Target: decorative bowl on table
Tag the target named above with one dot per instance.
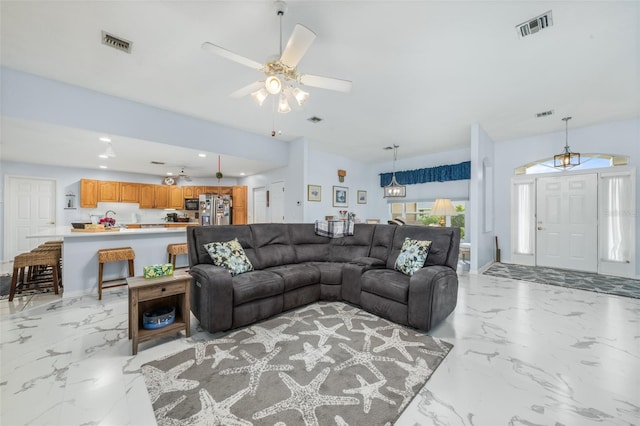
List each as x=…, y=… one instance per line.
x=79, y=225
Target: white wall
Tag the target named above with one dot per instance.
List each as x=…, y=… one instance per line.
x=620, y=137
x=481, y=234
x=35, y=98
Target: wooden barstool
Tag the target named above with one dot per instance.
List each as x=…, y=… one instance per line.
x=22, y=280
x=41, y=270
x=114, y=255
x=173, y=251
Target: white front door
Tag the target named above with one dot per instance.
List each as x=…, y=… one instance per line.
x=260, y=205
x=567, y=222
x=30, y=208
x=276, y=202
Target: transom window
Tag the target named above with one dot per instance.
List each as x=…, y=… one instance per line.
x=588, y=161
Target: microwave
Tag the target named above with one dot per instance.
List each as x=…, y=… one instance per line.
x=191, y=204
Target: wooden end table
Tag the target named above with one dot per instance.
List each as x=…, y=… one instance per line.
x=149, y=293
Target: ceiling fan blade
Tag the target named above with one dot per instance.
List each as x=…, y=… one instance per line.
x=247, y=89
x=221, y=51
x=297, y=46
x=326, y=83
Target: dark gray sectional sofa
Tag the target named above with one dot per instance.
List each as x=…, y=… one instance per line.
x=294, y=266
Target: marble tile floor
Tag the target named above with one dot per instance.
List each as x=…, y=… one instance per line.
x=525, y=354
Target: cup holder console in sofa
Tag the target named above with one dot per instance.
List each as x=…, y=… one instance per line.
x=293, y=266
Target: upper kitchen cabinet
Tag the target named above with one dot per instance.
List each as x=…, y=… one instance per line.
x=129, y=192
x=88, y=193
x=176, y=197
x=161, y=197
x=108, y=191
x=190, y=191
x=147, y=198
x=239, y=211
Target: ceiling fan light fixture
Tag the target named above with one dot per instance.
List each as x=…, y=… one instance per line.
x=300, y=95
x=273, y=85
x=260, y=96
x=283, y=105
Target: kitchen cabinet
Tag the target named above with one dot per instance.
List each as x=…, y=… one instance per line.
x=189, y=191
x=129, y=192
x=218, y=190
x=239, y=198
x=176, y=197
x=161, y=197
x=108, y=191
x=88, y=193
x=147, y=197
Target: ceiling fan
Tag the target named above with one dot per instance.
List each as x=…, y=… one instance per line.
x=281, y=74
x=183, y=176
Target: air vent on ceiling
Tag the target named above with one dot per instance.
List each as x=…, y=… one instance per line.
x=116, y=42
x=158, y=162
x=314, y=119
x=536, y=24
x=544, y=113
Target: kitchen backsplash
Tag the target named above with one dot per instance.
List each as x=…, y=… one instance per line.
x=126, y=213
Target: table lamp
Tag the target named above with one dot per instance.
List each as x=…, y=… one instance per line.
x=443, y=207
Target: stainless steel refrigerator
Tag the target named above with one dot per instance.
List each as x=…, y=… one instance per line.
x=215, y=209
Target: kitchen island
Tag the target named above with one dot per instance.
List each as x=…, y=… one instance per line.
x=80, y=253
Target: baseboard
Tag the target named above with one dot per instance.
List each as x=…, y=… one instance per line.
x=484, y=267
x=6, y=267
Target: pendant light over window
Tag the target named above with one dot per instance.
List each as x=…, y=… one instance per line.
x=567, y=159
x=394, y=189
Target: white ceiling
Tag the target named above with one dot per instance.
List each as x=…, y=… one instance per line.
x=422, y=71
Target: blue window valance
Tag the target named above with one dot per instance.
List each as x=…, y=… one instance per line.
x=431, y=174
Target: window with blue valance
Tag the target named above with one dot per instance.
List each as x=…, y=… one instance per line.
x=431, y=174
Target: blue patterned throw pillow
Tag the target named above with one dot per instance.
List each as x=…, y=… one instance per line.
x=229, y=255
x=412, y=256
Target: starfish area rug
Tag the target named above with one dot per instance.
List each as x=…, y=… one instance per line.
x=328, y=363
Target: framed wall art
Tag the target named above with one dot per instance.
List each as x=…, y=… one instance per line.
x=340, y=196
x=362, y=197
x=314, y=193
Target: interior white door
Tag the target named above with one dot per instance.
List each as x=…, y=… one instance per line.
x=260, y=205
x=567, y=222
x=276, y=202
x=30, y=208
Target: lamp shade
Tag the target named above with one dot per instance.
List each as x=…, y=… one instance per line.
x=443, y=207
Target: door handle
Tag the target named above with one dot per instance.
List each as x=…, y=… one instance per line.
x=52, y=223
x=540, y=228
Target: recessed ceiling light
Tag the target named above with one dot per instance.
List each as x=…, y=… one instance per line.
x=169, y=174
x=201, y=155
x=103, y=167
x=104, y=139
x=242, y=173
x=103, y=156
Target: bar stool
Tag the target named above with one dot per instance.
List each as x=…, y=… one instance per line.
x=114, y=255
x=40, y=271
x=174, y=250
x=21, y=280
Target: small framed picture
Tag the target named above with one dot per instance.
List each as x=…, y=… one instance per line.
x=362, y=197
x=314, y=193
x=340, y=196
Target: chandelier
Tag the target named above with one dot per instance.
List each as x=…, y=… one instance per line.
x=566, y=159
x=394, y=189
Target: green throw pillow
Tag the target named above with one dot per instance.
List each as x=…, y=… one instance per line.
x=412, y=256
x=229, y=255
